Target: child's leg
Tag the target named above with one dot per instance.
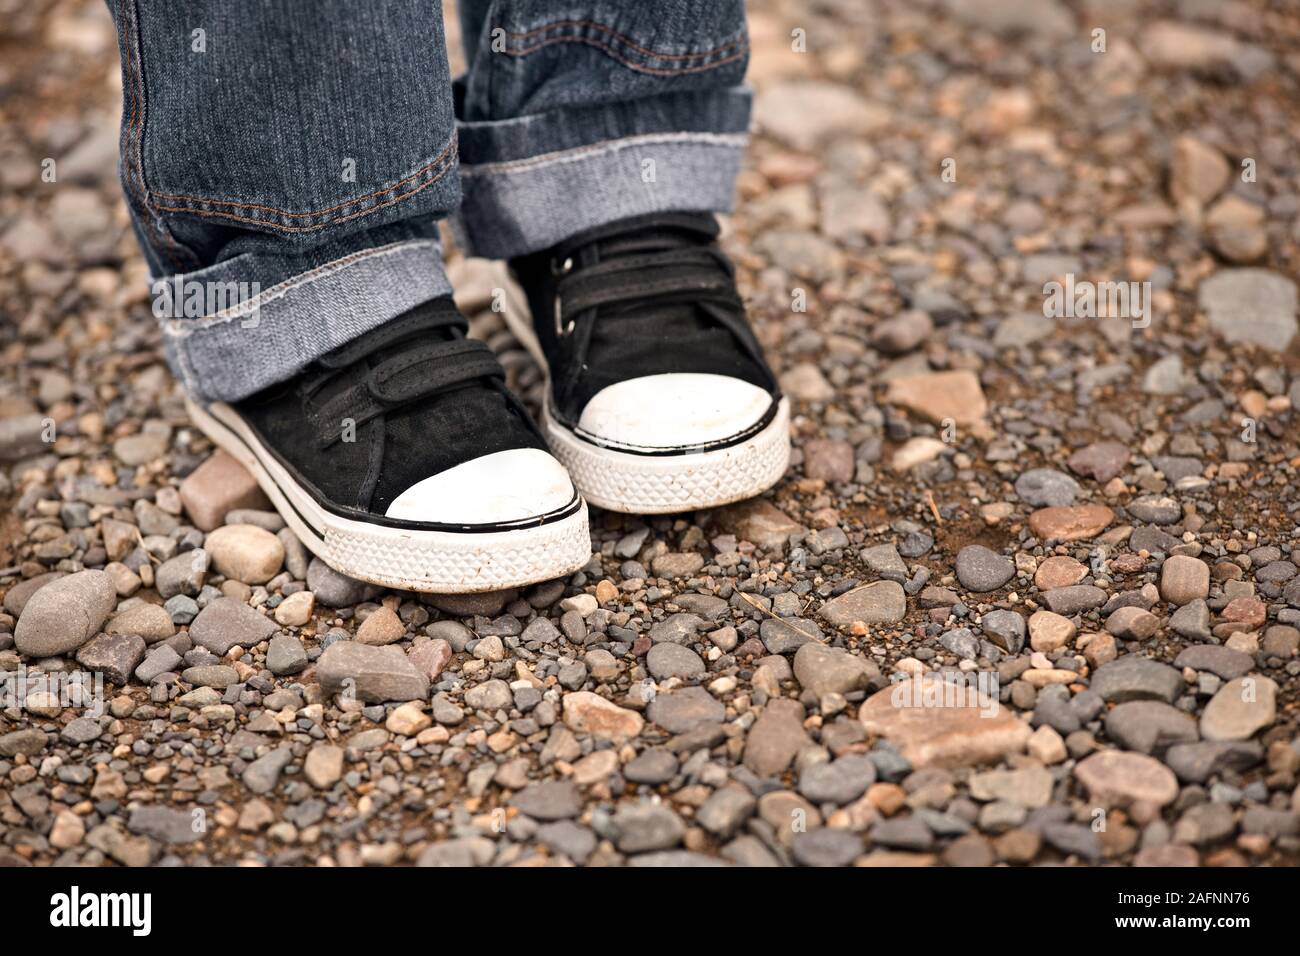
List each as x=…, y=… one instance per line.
x=285, y=165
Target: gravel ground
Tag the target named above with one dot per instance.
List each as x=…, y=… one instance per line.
x=1087, y=526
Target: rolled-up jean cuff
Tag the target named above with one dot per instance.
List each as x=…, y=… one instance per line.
x=272, y=334
x=531, y=182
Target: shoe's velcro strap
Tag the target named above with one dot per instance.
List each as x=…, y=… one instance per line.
x=432, y=367
x=692, y=274
x=424, y=370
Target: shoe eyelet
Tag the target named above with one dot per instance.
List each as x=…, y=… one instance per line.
x=562, y=328
x=558, y=269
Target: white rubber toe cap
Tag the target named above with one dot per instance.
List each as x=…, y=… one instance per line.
x=507, y=485
x=674, y=410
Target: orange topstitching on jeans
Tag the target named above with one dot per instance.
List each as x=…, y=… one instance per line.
x=445, y=157
x=625, y=40
x=631, y=65
x=615, y=54
x=208, y=214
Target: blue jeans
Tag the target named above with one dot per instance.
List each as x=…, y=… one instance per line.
x=299, y=154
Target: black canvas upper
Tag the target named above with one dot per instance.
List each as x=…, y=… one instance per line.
x=649, y=295
x=400, y=403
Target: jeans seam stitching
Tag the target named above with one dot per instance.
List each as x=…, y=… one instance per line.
x=444, y=158
x=630, y=64
x=212, y=214
x=188, y=373
x=622, y=38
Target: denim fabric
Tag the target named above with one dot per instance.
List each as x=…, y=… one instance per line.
x=305, y=152
x=573, y=115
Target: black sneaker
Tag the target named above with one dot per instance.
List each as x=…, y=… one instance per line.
x=402, y=459
x=659, y=399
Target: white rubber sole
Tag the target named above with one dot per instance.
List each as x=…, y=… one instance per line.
x=653, y=484
x=443, y=562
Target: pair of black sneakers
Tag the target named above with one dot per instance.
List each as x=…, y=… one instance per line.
x=403, y=459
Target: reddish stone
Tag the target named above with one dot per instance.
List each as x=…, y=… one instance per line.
x=760, y=522
x=934, y=724
x=219, y=485
x=1127, y=563
x=430, y=657
x=1247, y=610
x=938, y=396
x=1059, y=572
x=828, y=460
x=1071, y=522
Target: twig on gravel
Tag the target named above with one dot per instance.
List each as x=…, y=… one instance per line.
x=758, y=607
x=934, y=509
